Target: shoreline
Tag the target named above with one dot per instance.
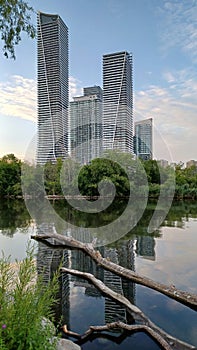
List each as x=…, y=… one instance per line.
x=54, y=197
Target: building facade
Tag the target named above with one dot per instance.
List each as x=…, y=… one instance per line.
x=52, y=77
x=163, y=163
x=143, y=139
x=191, y=163
x=118, y=101
x=86, y=125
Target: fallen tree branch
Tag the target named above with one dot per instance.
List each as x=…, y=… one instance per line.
x=122, y=326
x=92, y=335
x=183, y=297
x=165, y=340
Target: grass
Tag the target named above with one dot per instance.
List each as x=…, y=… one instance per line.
x=24, y=302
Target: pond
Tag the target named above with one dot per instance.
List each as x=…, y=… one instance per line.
x=167, y=255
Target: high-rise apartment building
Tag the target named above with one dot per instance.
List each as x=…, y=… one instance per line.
x=143, y=139
x=118, y=101
x=86, y=125
x=52, y=60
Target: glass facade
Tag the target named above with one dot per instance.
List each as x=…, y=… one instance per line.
x=52, y=61
x=118, y=101
x=143, y=139
x=86, y=125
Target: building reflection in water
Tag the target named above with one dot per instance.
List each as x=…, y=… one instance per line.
x=48, y=260
x=145, y=247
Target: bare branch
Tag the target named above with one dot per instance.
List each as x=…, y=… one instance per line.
x=122, y=326
x=181, y=296
x=167, y=341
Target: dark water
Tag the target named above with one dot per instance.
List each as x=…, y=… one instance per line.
x=167, y=255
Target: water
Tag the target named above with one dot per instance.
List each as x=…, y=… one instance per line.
x=167, y=255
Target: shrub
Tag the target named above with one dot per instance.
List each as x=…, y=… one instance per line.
x=24, y=302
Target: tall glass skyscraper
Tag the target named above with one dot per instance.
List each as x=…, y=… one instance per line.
x=118, y=101
x=143, y=139
x=52, y=60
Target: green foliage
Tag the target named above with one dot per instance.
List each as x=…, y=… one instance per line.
x=128, y=175
x=61, y=177
x=152, y=171
x=25, y=302
x=2, y=345
x=105, y=171
x=32, y=180
x=10, y=176
x=52, y=177
x=68, y=176
x=15, y=18
x=186, y=182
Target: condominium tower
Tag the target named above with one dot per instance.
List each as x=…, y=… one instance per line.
x=86, y=125
x=143, y=139
x=52, y=60
x=118, y=101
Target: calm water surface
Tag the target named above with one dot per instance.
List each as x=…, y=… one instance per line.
x=167, y=255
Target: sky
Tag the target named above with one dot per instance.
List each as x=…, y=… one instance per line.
x=162, y=37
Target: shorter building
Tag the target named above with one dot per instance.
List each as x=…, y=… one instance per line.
x=145, y=247
x=143, y=139
x=93, y=90
x=163, y=163
x=86, y=125
x=191, y=163
x=173, y=165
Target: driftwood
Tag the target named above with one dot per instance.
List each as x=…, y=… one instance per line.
x=182, y=297
x=118, y=325
x=165, y=340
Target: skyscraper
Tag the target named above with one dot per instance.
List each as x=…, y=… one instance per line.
x=52, y=60
x=86, y=125
x=143, y=139
x=118, y=101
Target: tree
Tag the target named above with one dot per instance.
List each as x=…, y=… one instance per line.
x=152, y=171
x=32, y=180
x=105, y=171
x=52, y=177
x=186, y=182
x=68, y=176
x=15, y=18
x=10, y=173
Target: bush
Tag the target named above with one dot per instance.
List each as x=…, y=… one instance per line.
x=24, y=302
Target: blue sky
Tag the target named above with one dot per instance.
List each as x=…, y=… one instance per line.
x=161, y=35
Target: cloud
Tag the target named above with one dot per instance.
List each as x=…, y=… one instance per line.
x=172, y=104
x=173, y=108
x=74, y=88
x=179, y=26
x=18, y=96
x=168, y=76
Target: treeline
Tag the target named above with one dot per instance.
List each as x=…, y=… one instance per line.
x=116, y=173
x=10, y=176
